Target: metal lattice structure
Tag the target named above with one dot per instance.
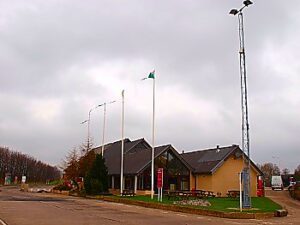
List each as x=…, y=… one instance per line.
x=245, y=122
x=244, y=104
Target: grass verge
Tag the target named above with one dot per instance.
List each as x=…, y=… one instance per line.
x=259, y=204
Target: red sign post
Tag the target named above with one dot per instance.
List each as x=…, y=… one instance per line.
x=160, y=182
x=160, y=173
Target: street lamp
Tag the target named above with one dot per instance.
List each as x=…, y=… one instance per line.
x=104, y=121
x=245, y=124
x=88, y=126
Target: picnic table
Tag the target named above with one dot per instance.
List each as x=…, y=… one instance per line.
x=179, y=194
x=233, y=193
x=189, y=194
x=127, y=192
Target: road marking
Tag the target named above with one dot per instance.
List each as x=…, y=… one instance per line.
x=2, y=222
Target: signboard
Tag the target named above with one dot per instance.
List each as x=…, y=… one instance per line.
x=23, y=179
x=160, y=177
x=7, y=180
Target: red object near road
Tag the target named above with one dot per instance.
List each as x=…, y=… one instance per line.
x=260, y=187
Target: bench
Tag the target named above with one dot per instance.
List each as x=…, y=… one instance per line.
x=210, y=194
x=127, y=192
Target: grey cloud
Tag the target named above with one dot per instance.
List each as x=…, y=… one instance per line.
x=49, y=47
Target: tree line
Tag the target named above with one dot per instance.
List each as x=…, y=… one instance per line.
x=19, y=164
x=271, y=169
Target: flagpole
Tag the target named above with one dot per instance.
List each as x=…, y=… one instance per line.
x=122, y=146
x=153, y=142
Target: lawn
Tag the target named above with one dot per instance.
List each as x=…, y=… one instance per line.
x=259, y=204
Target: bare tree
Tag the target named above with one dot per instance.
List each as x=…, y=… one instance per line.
x=72, y=169
x=285, y=171
x=269, y=170
x=18, y=164
x=297, y=172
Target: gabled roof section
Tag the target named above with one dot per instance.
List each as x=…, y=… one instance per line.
x=207, y=161
x=137, y=145
x=112, y=154
x=137, y=156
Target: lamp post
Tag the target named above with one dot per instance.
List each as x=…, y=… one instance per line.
x=122, y=144
x=88, y=126
x=244, y=101
x=104, y=121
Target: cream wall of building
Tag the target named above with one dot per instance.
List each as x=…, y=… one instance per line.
x=226, y=178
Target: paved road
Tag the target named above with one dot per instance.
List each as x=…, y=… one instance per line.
x=18, y=208
x=283, y=198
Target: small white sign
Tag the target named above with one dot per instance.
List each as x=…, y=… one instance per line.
x=23, y=179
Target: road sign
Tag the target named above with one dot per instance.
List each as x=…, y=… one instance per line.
x=160, y=178
x=160, y=182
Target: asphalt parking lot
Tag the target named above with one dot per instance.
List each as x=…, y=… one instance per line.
x=44, y=209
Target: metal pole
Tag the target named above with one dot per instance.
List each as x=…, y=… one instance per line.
x=103, y=132
x=153, y=142
x=241, y=199
x=88, y=136
x=122, y=145
x=245, y=123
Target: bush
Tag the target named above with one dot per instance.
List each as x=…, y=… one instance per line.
x=96, y=181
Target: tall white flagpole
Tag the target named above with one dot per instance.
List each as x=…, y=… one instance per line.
x=122, y=145
x=103, y=132
x=153, y=142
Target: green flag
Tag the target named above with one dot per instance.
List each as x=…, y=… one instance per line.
x=150, y=76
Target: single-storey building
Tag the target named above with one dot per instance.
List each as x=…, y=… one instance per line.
x=214, y=169
x=218, y=169
x=137, y=166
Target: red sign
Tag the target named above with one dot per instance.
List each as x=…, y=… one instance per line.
x=160, y=177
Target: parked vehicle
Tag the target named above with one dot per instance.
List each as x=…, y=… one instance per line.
x=294, y=190
x=276, y=183
x=292, y=181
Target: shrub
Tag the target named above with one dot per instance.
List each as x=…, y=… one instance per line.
x=96, y=181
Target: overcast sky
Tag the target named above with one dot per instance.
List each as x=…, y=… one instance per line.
x=60, y=58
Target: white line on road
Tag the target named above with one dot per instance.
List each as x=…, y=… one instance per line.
x=2, y=222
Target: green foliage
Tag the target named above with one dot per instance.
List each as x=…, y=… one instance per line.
x=87, y=183
x=55, y=182
x=96, y=180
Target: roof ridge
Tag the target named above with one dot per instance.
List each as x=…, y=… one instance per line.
x=210, y=149
x=160, y=146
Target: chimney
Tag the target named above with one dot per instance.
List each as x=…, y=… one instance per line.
x=218, y=146
x=182, y=152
